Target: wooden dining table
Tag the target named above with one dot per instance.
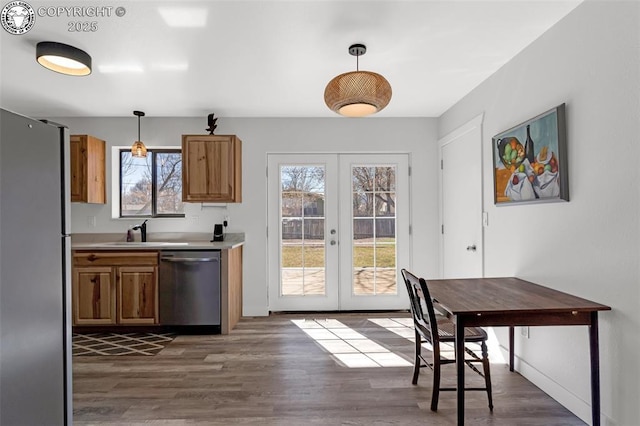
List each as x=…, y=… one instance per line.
x=514, y=302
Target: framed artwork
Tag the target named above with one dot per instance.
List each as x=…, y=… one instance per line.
x=530, y=161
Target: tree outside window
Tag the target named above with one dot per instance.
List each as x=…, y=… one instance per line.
x=151, y=186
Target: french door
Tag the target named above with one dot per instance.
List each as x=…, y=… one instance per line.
x=338, y=231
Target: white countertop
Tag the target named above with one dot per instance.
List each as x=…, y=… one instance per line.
x=156, y=241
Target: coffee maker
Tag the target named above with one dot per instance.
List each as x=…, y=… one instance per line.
x=218, y=233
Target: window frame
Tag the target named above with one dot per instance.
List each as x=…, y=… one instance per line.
x=154, y=213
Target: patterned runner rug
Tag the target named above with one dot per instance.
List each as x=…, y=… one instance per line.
x=120, y=343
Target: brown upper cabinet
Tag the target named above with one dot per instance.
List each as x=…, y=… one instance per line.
x=212, y=168
x=88, y=170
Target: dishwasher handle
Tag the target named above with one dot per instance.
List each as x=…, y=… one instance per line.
x=189, y=259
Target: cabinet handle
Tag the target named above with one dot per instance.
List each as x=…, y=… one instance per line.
x=201, y=259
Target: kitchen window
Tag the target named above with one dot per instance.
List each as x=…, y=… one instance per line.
x=151, y=186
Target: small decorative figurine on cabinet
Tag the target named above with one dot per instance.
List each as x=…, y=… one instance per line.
x=212, y=123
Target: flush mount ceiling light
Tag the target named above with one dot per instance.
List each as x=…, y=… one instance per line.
x=357, y=93
x=138, y=149
x=63, y=58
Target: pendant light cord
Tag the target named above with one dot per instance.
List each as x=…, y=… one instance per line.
x=138, y=127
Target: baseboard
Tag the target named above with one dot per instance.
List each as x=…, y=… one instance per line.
x=555, y=390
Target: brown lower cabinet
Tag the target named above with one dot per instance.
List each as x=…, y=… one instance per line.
x=121, y=288
x=231, y=289
x=115, y=288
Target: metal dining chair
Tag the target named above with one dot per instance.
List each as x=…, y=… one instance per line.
x=436, y=329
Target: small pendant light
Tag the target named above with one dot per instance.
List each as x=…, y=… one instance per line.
x=138, y=149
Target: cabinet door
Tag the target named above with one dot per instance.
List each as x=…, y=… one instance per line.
x=231, y=289
x=212, y=168
x=87, y=161
x=96, y=186
x=137, y=295
x=78, y=172
x=94, y=296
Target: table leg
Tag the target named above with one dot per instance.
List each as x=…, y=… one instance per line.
x=460, y=368
x=595, y=369
x=511, y=346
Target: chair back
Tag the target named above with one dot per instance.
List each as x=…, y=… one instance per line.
x=424, y=316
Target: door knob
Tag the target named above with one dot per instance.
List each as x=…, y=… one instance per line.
x=333, y=242
x=333, y=232
x=471, y=248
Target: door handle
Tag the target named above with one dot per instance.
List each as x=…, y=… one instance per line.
x=471, y=248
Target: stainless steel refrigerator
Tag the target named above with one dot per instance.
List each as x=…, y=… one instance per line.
x=35, y=273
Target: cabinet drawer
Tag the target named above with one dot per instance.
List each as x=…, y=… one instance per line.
x=106, y=258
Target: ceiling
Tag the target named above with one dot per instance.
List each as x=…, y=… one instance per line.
x=266, y=58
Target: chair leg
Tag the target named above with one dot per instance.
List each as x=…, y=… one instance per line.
x=487, y=374
x=416, y=361
x=435, y=393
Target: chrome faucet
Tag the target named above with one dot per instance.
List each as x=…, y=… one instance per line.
x=143, y=230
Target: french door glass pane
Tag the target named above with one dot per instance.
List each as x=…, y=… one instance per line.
x=374, y=230
x=302, y=218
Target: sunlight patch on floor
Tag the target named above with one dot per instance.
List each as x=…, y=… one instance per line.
x=401, y=326
x=349, y=347
x=404, y=327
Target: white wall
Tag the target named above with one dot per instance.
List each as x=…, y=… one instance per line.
x=416, y=136
x=589, y=246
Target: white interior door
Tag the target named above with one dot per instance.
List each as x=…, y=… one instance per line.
x=338, y=229
x=461, y=201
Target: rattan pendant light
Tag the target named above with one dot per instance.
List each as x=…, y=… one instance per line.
x=138, y=149
x=357, y=93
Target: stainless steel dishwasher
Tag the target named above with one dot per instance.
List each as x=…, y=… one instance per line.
x=189, y=287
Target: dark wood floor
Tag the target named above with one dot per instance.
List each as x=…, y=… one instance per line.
x=270, y=372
